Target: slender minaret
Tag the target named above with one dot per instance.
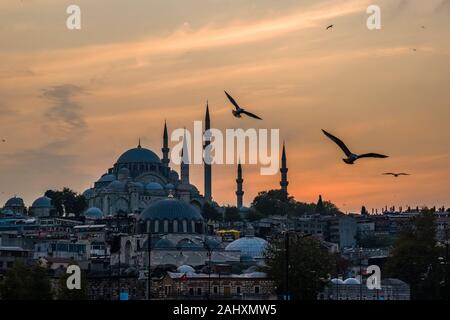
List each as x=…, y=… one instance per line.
x=207, y=166
x=184, y=162
x=165, y=149
x=239, y=191
x=284, y=182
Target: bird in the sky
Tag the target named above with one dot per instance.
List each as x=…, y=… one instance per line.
x=237, y=113
x=396, y=174
x=330, y=26
x=3, y=140
x=351, y=157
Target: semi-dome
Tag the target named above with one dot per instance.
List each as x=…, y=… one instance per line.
x=93, y=213
x=171, y=209
x=107, y=178
x=164, y=243
x=138, y=154
x=14, y=202
x=185, y=269
x=169, y=186
x=337, y=281
x=187, y=243
x=124, y=171
x=351, y=281
x=42, y=202
x=249, y=246
x=154, y=186
x=117, y=186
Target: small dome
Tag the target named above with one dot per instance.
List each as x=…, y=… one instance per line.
x=138, y=154
x=249, y=246
x=351, y=281
x=337, y=281
x=169, y=186
x=15, y=202
x=93, y=213
x=153, y=186
x=212, y=244
x=185, y=269
x=88, y=193
x=42, y=202
x=164, y=243
x=124, y=171
x=187, y=243
x=107, y=178
x=136, y=185
x=117, y=186
x=171, y=209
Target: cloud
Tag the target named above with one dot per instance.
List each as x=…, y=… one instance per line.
x=65, y=113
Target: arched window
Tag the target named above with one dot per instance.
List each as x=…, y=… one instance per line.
x=156, y=226
x=175, y=226
x=185, y=226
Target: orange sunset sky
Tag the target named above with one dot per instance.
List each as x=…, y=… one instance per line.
x=72, y=101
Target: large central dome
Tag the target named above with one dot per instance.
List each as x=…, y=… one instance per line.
x=138, y=154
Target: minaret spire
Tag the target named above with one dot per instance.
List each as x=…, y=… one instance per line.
x=283, y=170
x=139, y=143
x=207, y=164
x=165, y=149
x=239, y=190
x=184, y=162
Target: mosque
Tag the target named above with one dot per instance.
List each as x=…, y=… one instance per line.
x=137, y=182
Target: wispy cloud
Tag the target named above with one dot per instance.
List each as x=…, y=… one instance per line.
x=65, y=112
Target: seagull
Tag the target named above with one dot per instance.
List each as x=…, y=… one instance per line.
x=351, y=157
x=237, y=113
x=396, y=174
x=330, y=26
x=3, y=140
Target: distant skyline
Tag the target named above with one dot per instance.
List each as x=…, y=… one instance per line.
x=73, y=101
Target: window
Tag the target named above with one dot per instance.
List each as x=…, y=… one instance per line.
x=191, y=291
x=199, y=291
x=256, y=290
x=215, y=290
x=238, y=290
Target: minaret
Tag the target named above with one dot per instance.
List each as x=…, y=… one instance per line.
x=239, y=191
x=165, y=149
x=284, y=182
x=184, y=170
x=207, y=166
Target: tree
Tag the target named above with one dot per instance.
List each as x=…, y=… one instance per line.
x=210, y=213
x=415, y=257
x=254, y=215
x=232, y=214
x=273, y=202
x=364, y=211
x=72, y=202
x=310, y=266
x=64, y=293
x=26, y=283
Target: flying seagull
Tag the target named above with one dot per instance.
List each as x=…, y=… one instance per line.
x=351, y=157
x=396, y=174
x=237, y=113
x=330, y=26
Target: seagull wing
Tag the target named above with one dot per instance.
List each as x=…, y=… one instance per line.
x=233, y=101
x=338, y=142
x=372, y=155
x=389, y=174
x=403, y=174
x=251, y=114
